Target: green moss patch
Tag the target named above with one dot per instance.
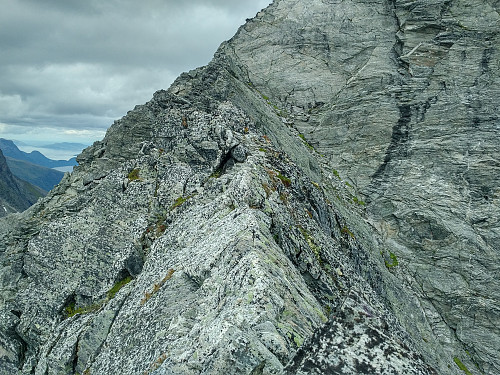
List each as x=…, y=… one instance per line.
x=70, y=310
x=285, y=180
x=134, y=175
x=461, y=366
x=116, y=288
x=179, y=201
x=394, y=260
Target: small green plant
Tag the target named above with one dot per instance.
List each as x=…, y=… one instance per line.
x=291, y=334
x=283, y=113
x=358, y=201
x=394, y=260
x=179, y=201
x=347, y=231
x=118, y=285
x=312, y=245
x=285, y=180
x=217, y=173
x=72, y=311
x=304, y=141
x=134, y=175
x=336, y=174
x=298, y=340
x=328, y=310
x=461, y=366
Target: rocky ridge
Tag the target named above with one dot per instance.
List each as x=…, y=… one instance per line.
x=221, y=227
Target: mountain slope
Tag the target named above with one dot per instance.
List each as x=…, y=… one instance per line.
x=35, y=157
x=15, y=194
x=230, y=256
x=221, y=227
x=408, y=116
x=44, y=178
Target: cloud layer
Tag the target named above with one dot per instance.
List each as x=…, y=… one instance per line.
x=68, y=68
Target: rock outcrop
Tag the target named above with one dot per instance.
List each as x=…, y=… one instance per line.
x=222, y=226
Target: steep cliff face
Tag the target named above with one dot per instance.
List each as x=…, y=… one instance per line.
x=222, y=226
x=402, y=98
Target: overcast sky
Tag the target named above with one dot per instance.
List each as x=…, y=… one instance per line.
x=69, y=68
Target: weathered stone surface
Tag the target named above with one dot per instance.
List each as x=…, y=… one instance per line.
x=355, y=341
x=221, y=227
x=410, y=117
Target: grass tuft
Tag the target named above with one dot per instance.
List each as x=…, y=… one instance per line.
x=461, y=366
x=179, y=201
x=134, y=175
x=285, y=180
x=118, y=285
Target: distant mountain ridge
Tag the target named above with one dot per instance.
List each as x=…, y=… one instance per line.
x=65, y=146
x=11, y=150
x=16, y=195
x=34, y=167
x=43, y=177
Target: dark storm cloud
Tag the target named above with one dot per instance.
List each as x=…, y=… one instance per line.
x=73, y=64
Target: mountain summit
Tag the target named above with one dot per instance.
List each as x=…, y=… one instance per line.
x=321, y=198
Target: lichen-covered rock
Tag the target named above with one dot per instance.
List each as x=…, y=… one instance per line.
x=222, y=226
x=355, y=341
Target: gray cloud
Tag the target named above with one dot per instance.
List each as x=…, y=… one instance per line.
x=72, y=66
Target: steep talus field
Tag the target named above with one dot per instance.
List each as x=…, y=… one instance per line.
x=322, y=198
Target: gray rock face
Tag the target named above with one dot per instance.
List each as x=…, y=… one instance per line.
x=222, y=226
x=402, y=98
x=337, y=348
